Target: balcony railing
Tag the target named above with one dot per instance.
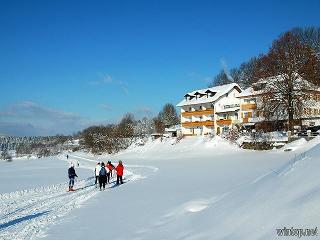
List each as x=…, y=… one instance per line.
x=224, y=122
x=251, y=120
x=198, y=112
x=255, y=119
x=207, y=123
x=248, y=106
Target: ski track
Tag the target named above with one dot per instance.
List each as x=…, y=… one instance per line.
x=25, y=214
x=28, y=213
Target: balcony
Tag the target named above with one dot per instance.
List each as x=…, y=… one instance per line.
x=198, y=124
x=255, y=119
x=198, y=112
x=248, y=106
x=224, y=122
x=251, y=119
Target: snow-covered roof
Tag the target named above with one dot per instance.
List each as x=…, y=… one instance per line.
x=270, y=81
x=173, y=128
x=249, y=92
x=228, y=110
x=218, y=92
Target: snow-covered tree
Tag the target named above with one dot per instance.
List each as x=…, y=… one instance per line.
x=168, y=115
x=126, y=126
x=5, y=155
x=290, y=71
x=143, y=127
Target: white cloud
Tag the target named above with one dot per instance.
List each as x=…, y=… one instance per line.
x=29, y=118
x=142, y=112
x=107, y=79
x=225, y=69
x=105, y=107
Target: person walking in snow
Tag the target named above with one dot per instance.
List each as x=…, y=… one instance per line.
x=96, y=173
x=110, y=167
x=103, y=176
x=119, y=170
x=72, y=174
x=67, y=156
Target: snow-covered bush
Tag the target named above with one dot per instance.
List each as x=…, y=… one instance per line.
x=232, y=135
x=5, y=155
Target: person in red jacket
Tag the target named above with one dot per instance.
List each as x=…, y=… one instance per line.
x=119, y=170
x=110, y=167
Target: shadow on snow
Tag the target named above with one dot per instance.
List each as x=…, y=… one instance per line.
x=22, y=219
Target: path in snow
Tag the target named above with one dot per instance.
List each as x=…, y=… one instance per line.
x=24, y=214
x=28, y=213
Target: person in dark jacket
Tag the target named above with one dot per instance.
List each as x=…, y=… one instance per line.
x=72, y=174
x=103, y=176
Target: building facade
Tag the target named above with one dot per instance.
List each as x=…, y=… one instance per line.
x=216, y=110
x=211, y=110
x=250, y=102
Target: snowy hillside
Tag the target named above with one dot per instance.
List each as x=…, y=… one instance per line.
x=199, y=188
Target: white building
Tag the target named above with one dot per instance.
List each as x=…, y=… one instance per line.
x=252, y=100
x=210, y=110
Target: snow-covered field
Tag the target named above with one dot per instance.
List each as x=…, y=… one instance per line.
x=196, y=189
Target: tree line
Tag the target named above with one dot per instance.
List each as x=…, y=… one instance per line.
x=112, y=138
x=27, y=146
x=291, y=71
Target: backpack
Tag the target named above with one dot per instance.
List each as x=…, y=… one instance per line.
x=103, y=172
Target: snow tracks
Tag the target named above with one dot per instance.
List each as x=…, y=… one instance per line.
x=26, y=214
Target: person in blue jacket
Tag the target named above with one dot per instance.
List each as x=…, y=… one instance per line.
x=72, y=174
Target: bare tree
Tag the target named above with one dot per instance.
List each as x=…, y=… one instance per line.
x=158, y=125
x=290, y=71
x=220, y=79
x=309, y=36
x=126, y=126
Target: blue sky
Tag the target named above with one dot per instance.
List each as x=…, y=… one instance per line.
x=65, y=65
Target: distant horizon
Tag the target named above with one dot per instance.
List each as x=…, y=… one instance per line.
x=69, y=65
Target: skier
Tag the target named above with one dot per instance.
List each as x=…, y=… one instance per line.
x=119, y=170
x=103, y=176
x=72, y=174
x=96, y=173
x=67, y=156
x=110, y=167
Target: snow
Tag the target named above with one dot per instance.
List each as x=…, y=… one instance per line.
x=218, y=90
x=199, y=188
